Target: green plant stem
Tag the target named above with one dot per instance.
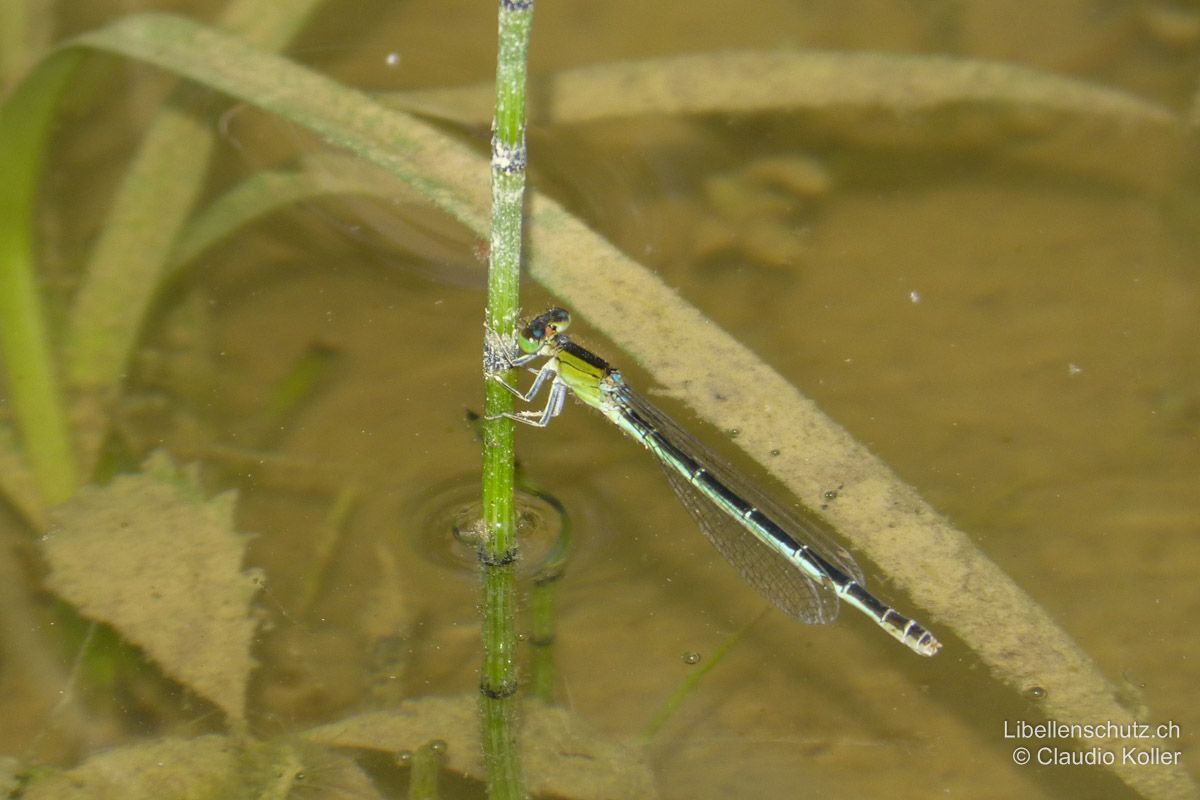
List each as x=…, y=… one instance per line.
x=497, y=553
x=426, y=768
x=542, y=601
x=541, y=639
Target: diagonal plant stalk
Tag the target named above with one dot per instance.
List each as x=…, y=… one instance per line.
x=689, y=684
x=700, y=83
x=498, y=551
x=888, y=522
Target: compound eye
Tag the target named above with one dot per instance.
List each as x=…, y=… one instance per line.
x=557, y=318
x=530, y=338
x=542, y=327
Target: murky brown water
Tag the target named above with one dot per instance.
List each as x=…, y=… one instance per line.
x=1010, y=323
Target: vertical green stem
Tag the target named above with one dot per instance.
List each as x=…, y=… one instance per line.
x=542, y=603
x=426, y=770
x=498, y=682
x=541, y=639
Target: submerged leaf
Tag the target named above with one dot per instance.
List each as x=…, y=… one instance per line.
x=200, y=768
x=561, y=755
x=150, y=556
x=755, y=81
x=207, y=768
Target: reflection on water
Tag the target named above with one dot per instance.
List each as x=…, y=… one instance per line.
x=447, y=521
x=1043, y=394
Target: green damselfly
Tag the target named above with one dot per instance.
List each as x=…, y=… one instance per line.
x=783, y=554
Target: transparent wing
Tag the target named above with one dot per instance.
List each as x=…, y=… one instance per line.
x=761, y=565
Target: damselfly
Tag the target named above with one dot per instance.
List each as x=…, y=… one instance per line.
x=783, y=554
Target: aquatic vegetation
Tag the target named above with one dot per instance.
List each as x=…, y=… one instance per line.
x=61, y=394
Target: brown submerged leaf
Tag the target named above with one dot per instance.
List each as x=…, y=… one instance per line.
x=561, y=755
x=150, y=556
x=208, y=768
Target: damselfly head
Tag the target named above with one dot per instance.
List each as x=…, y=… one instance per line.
x=543, y=328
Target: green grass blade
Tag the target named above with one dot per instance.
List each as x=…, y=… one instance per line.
x=25, y=343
